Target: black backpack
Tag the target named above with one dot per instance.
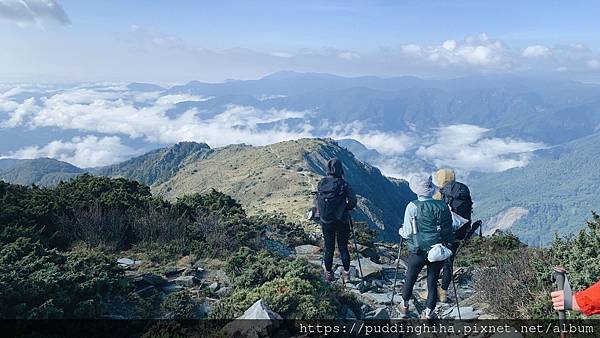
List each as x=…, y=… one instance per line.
x=458, y=197
x=331, y=199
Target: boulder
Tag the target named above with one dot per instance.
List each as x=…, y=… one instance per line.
x=378, y=314
x=223, y=291
x=213, y=287
x=127, y=262
x=146, y=291
x=369, y=268
x=264, y=323
x=169, y=288
x=153, y=279
x=377, y=298
x=173, y=271
x=466, y=312
x=187, y=281
x=260, y=310
x=307, y=249
x=368, y=252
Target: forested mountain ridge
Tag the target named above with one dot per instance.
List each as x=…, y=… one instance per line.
x=555, y=192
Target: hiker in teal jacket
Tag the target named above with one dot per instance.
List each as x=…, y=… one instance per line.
x=427, y=222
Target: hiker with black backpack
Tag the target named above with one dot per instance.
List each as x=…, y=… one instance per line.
x=427, y=229
x=458, y=198
x=334, y=200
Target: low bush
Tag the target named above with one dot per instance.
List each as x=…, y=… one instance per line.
x=517, y=283
x=180, y=305
x=41, y=283
x=481, y=249
x=292, y=288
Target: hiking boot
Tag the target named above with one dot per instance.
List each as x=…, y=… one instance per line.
x=442, y=295
x=328, y=276
x=346, y=276
x=427, y=314
x=403, y=310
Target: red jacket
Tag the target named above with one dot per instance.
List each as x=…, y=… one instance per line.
x=589, y=300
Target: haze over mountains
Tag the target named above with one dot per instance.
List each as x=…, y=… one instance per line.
x=497, y=131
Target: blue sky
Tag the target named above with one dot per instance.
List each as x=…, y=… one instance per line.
x=178, y=41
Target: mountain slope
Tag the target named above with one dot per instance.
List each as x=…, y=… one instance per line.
x=556, y=192
x=158, y=165
x=280, y=177
x=41, y=171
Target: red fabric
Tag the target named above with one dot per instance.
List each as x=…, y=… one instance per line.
x=589, y=300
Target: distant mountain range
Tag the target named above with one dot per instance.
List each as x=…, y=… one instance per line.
x=539, y=109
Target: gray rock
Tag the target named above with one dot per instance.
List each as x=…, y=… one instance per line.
x=153, y=279
x=127, y=262
x=377, y=298
x=466, y=312
x=214, y=287
x=260, y=310
x=169, y=288
x=379, y=313
x=146, y=291
x=369, y=268
x=265, y=324
x=307, y=249
x=187, y=281
x=173, y=271
x=223, y=291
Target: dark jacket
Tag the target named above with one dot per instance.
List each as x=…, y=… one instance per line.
x=335, y=173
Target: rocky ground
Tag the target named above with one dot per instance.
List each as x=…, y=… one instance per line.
x=379, y=266
x=202, y=277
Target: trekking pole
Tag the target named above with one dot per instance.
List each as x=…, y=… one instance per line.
x=559, y=275
x=456, y=297
x=474, y=228
x=362, y=286
x=397, y=268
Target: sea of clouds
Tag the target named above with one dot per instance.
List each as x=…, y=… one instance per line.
x=109, y=117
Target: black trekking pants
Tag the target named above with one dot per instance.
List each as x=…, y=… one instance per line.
x=339, y=231
x=448, y=269
x=415, y=263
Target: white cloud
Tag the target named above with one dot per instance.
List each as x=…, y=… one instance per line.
x=536, y=51
x=110, y=112
x=593, y=64
x=282, y=54
x=96, y=109
x=349, y=56
x=386, y=143
x=28, y=12
x=478, y=51
x=84, y=152
x=464, y=148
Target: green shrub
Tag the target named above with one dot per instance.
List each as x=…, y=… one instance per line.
x=481, y=249
x=517, y=283
x=180, y=305
x=292, y=288
x=41, y=283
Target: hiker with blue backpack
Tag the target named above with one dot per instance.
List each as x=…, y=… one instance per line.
x=334, y=201
x=427, y=229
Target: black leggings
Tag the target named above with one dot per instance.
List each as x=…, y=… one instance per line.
x=415, y=263
x=448, y=269
x=331, y=232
